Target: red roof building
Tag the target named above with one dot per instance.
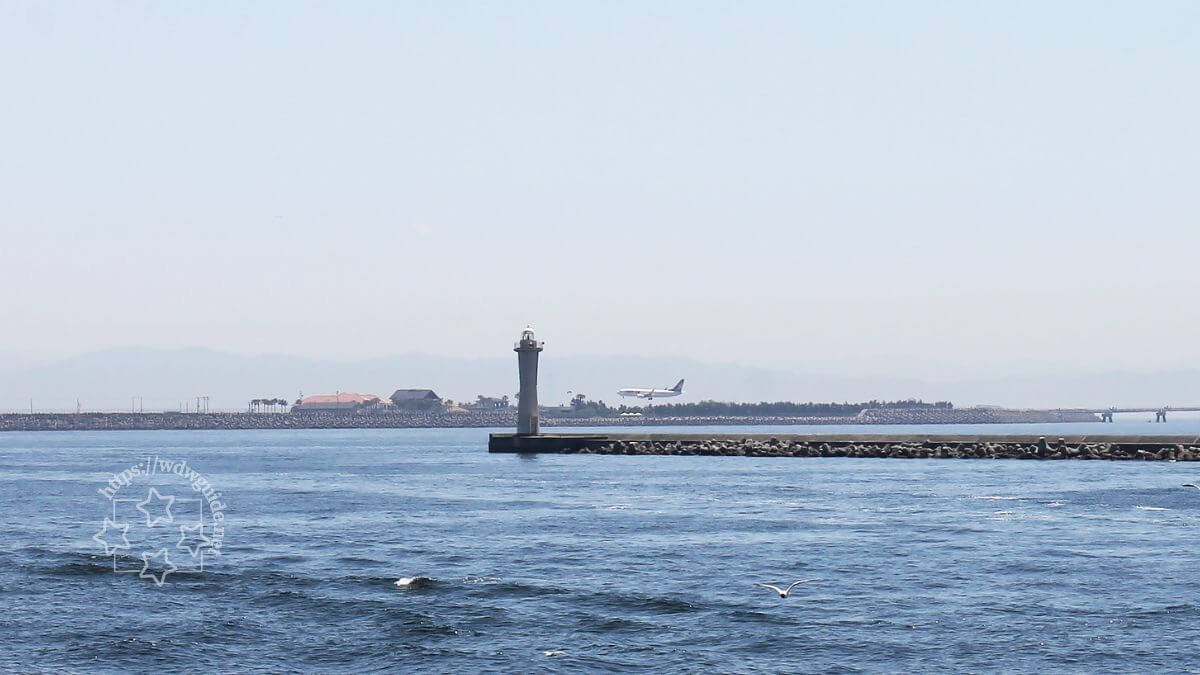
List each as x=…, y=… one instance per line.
x=346, y=400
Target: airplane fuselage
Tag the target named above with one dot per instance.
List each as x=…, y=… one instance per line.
x=651, y=393
x=648, y=393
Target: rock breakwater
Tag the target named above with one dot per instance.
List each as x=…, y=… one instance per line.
x=930, y=449
x=489, y=418
x=230, y=421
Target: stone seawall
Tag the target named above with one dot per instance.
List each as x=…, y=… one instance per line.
x=931, y=449
x=971, y=416
x=230, y=421
x=869, y=416
x=1164, y=448
x=501, y=419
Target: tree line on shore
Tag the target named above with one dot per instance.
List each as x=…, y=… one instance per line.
x=582, y=407
x=268, y=405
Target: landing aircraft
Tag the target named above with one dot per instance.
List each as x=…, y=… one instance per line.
x=651, y=394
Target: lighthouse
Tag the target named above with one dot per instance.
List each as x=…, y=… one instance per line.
x=527, y=349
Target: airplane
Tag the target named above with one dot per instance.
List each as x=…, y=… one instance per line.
x=650, y=394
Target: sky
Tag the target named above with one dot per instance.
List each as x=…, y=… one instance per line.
x=933, y=189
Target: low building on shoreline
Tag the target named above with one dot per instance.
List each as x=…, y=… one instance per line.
x=488, y=403
x=343, y=400
x=417, y=400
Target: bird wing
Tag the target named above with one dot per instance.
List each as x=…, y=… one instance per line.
x=774, y=588
x=797, y=583
x=1191, y=485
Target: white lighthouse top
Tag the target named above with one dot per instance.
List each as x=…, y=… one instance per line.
x=528, y=341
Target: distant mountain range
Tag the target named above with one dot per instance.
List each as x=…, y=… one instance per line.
x=166, y=379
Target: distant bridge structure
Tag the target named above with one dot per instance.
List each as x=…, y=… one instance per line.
x=1160, y=413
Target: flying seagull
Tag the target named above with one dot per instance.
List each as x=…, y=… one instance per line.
x=782, y=593
x=1191, y=485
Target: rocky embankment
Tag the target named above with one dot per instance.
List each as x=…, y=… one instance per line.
x=493, y=419
x=722, y=420
x=230, y=421
x=933, y=449
x=970, y=416
x=868, y=416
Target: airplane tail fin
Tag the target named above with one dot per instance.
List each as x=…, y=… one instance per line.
x=678, y=386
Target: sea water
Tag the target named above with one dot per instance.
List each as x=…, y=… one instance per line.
x=554, y=562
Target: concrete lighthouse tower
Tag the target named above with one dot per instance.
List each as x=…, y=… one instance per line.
x=527, y=349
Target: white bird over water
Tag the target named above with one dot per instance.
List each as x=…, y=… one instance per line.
x=1191, y=485
x=782, y=593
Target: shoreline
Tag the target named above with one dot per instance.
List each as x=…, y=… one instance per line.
x=177, y=421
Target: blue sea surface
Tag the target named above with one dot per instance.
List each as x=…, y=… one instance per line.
x=566, y=562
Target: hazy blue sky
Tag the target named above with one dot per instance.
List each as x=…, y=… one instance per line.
x=938, y=189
